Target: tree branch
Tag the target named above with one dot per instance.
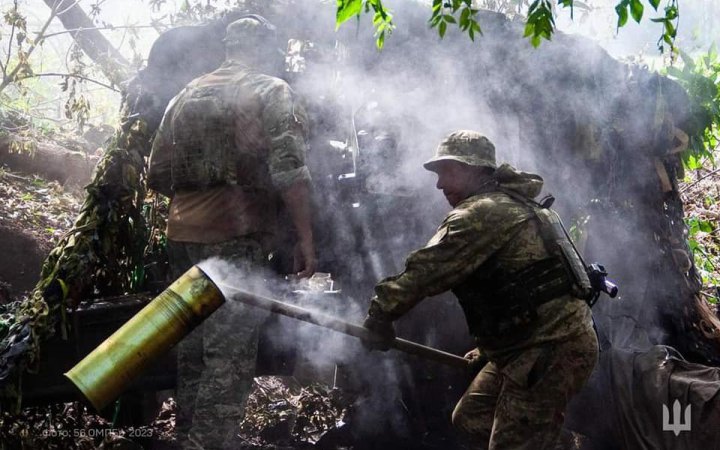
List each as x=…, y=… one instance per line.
x=88, y=37
x=708, y=175
x=73, y=30
x=60, y=13
x=81, y=77
x=38, y=38
x=12, y=35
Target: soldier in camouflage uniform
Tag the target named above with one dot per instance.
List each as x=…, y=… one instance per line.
x=517, y=279
x=225, y=168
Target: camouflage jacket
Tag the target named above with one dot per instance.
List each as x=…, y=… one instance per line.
x=490, y=229
x=270, y=140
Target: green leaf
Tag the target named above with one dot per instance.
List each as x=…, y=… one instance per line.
x=692, y=163
x=670, y=30
x=622, y=12
x=380, y=40
x=347, y=9
x=654, y=4
x=442, y=28
x=636, y=9
x=705, y=226
x=450, y=19
x=465, y=18
x=529, y=29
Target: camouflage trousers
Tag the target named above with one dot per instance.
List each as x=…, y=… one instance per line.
x=521, y=406
x=216, y=361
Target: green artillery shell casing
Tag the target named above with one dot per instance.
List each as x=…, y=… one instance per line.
x=103, y=374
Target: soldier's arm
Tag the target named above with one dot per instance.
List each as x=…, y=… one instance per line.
x=460, y=246
x=285, y=125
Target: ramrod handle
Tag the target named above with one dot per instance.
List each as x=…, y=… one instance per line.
x=341, y=326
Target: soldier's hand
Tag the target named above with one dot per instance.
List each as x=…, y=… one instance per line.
x=472, y=354
x=304, y=263
x=383, y=333
x=477, y=360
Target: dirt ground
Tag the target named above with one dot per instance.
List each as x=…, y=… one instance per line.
x=280, y=414
x=34, y=214
x=700, y=193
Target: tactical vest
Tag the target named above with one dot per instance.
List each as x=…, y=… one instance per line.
x=203, y=137
x=497, y=302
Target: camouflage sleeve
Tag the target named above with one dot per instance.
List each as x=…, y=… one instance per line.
x=463, y=242
x=285, y=125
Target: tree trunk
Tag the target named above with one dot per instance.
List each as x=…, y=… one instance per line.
x=50, y=161
x=113, y=65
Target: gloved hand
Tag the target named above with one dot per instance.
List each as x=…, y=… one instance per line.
x=383, y=333
x=477, y=360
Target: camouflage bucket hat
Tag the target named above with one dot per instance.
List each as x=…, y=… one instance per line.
x=250, y=31
x=465, y=146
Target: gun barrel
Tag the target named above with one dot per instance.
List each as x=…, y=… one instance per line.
x=341, y=326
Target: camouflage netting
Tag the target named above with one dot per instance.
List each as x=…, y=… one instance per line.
x=101, y=255
x=622, y=158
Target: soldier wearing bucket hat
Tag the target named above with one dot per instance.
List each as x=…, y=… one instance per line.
x=229, y=145
x=521, y=286
x=467, y=147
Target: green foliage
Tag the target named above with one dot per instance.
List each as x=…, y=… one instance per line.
x=635, y=8
x=382, y=18
x=701, y=80
x=670, y=22
x=18, y=37
x=455, y=12
x=539, y=24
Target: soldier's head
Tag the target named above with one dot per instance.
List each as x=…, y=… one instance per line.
x=464, y=162
x=254, y=41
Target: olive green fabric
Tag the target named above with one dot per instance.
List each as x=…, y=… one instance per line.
x=235, y=221
x=622, y=406
x=270, y=127
x=216, y=362
x=487, y=228
x=269, y=143
x=465, y=146
x=525, y=409
x=493, y=230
